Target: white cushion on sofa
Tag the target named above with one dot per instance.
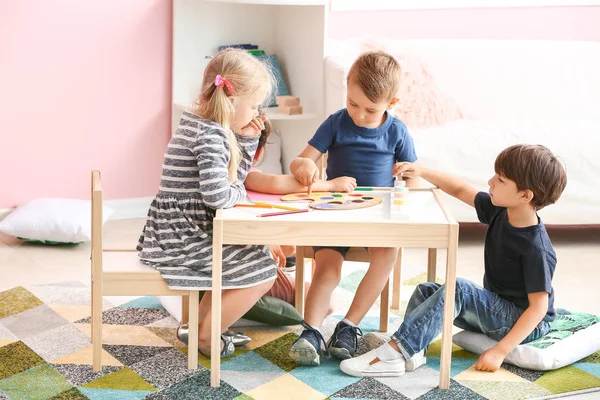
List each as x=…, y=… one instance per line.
x=52, y=219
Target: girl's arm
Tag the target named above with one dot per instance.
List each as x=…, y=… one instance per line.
x=258, y=181
x=212, y=156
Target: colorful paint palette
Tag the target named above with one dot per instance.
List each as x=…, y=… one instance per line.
x=335, y=201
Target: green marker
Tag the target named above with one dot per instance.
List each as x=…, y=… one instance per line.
x=363, y=189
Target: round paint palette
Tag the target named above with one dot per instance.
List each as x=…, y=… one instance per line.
x=335, y=201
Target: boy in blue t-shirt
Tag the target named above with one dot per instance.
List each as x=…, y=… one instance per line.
x=516, y=303
x=364, y=142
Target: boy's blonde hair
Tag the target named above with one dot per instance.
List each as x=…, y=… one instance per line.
x=246, y=74
x=377, y=73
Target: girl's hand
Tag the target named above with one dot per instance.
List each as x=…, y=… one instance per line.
x=406, y=169
x=254, y=128
x=343, y=184
x=278, y=255
x=490, y=360
x=307, y=173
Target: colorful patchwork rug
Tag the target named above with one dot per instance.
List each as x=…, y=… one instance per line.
x=45, y=353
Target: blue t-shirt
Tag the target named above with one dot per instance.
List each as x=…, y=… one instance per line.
x=518, y=261
x=367, y=154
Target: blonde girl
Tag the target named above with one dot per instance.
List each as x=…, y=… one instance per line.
x=204, y=168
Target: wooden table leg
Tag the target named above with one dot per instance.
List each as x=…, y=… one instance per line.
x=192, y=317
x=215, y=333
x=431, y=265
x=299, y=296
x=397, y=281
x=446, y=356
x=384, y=311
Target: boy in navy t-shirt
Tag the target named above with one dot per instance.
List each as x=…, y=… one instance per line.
x=516, y=303
x=364, y=142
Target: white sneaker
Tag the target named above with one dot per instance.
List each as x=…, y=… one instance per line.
x=386, y=367
x=374, y=340
x=416, y=361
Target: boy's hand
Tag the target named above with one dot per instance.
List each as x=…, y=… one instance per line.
x=490, y=360
x=307, y=173
x=254, y=128
x=278, y=255
x=406, y=169
x=343, y=184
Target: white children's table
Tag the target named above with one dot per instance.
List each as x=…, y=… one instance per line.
x=429, y=225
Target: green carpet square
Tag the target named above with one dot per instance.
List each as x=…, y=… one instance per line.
x=435, y=350
x=38, y=383
x=17, y=357
x=123, y=379
x=592, y=358
x=17, y=300
x=568, y=379
x=73, y=394
x=278, y=350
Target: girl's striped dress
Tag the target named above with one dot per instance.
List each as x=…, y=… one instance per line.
x=177, y=237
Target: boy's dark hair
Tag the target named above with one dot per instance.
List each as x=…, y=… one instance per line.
x=535, y=168
x=377, y=73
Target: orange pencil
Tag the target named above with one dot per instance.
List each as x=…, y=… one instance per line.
x=277, y=206
x=252, y=205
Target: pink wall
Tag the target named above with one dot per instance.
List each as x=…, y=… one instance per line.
x=86, y=84
x=83, y=85
x=549, y=23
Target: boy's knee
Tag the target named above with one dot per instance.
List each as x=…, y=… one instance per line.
x=385, y=254
x=428, y=288
x=329, y=267
x=461, y=284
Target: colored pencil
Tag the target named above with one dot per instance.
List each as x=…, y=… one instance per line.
x=276, y=206
x=252, y=205
x=283, y=213
x=363, y=189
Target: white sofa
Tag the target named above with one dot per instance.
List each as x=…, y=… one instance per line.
x=545, y=92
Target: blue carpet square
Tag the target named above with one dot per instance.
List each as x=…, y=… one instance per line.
x=326, y=378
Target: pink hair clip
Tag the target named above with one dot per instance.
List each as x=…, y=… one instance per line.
x=220, y=81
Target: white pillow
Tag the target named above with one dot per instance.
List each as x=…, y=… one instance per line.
x=271, y=162
x=52, y=220
x=561, y=352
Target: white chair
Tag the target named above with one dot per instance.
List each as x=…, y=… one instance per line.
x=127, y=277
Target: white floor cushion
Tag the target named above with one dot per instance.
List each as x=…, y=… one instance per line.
x=572, y=337
x=52, y=220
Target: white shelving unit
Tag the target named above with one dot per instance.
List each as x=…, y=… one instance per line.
x=294, y=30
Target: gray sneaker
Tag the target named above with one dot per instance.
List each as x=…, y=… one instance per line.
x=307, y=349
x=374, y=340
x=344, y=341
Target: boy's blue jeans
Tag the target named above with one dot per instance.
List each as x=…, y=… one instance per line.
x=475, y=309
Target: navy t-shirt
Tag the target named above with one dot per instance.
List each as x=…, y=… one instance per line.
x=367, y=154
x=518, y=261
